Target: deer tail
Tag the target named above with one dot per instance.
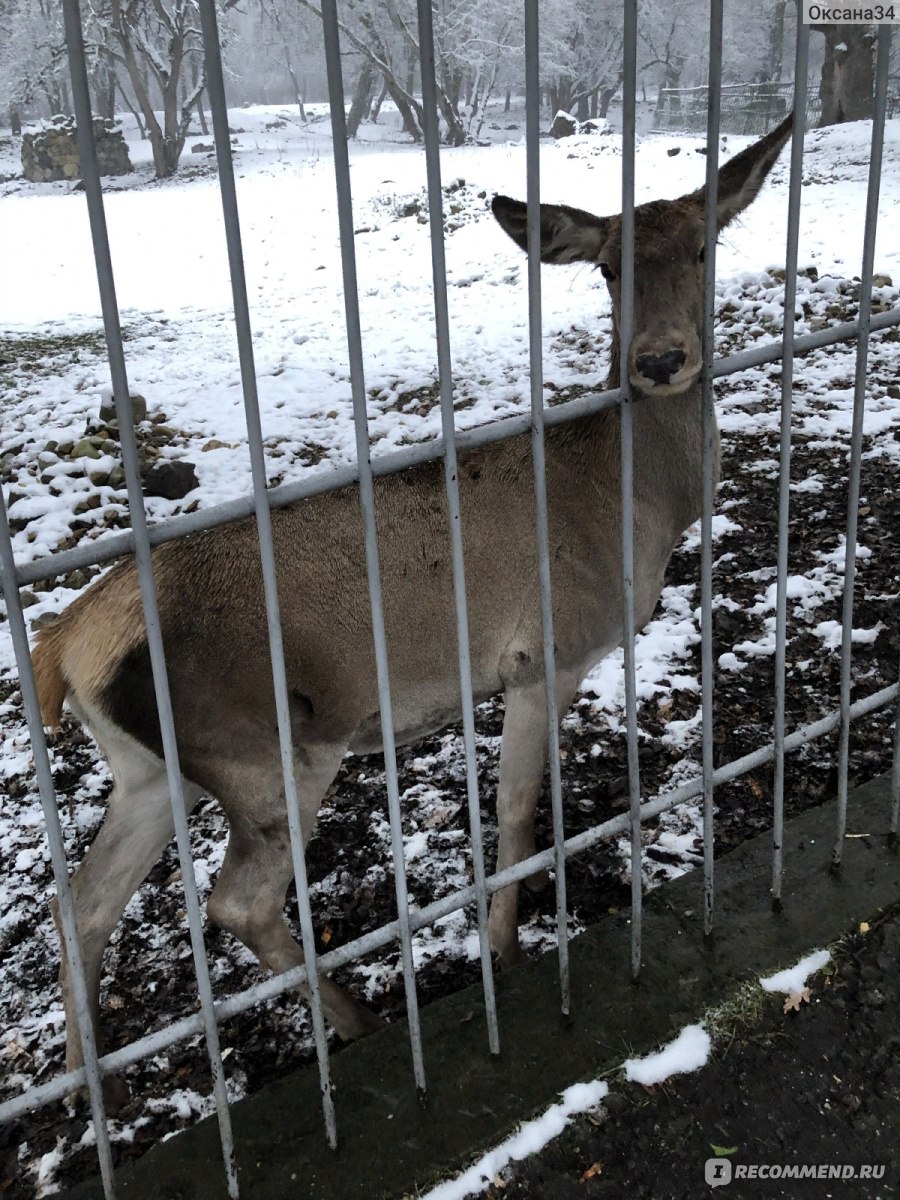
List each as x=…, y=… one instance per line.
x=52, y=685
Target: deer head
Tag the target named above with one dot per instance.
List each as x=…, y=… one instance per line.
x=664, y=357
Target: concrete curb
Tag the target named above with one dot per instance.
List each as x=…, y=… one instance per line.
x=392, y=1143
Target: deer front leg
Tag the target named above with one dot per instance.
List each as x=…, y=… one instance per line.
x=523, y=753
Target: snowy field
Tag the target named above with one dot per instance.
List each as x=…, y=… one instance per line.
x=174, y=295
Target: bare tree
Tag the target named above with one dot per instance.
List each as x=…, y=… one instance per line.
x=153, y=40
x=581, y=43
x=847, y=85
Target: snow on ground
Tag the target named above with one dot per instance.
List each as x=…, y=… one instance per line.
x=529, y=1138
x=173, y=289
x=793, y=979
x=687, y=1052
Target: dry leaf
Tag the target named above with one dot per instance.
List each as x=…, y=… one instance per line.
x=327, y=935
x=796, y=999
x=593, y=1169
x=864, y=927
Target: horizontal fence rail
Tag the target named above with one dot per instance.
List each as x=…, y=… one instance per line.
x=143, y=537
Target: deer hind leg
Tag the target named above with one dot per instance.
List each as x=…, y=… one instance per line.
x=248, y=899
x=523, y=754
x=135, y=831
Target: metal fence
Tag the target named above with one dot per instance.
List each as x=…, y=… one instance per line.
x=746, y=108
x=142, y=537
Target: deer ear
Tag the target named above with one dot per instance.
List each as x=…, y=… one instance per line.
x=567, y=234
x=742, y=176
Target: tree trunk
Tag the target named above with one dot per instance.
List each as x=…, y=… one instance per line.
x=776, y=42
x=848, y=73
x=375, y=110
x=411, y=123
x=582, y=109
x=507, y=103
x=15, y=121
x=606, y=94
x=362, y=94
x=201, y=116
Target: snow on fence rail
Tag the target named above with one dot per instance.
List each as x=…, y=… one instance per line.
x=142, y=537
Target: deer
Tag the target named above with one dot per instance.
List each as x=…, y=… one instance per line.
x=212, y=613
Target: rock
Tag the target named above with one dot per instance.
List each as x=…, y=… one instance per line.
x=85, y=449
x=202, y=148
x=138, y=409
x=882, y=281
x=563, y=125
x=51, y=153
x=26, y=599
x=673, y=150
x=215, y=444
x=893, y=391
x=98, y=478
x=64, y=449
x=88, y=504
x=116, y=478
x=171, y=480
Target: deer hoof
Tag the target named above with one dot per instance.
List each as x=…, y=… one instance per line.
x=358, y=1023
x=510, y=957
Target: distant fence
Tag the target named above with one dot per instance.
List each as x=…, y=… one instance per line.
x=747, y=108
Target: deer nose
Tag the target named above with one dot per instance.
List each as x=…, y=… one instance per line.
x=660, y=367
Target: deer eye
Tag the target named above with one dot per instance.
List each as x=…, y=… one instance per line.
x=607, y=272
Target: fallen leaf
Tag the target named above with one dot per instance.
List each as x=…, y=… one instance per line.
x=796, y=999
x=593, y=1169
x=327, y=935
x=864, y=927
x=723, y=1151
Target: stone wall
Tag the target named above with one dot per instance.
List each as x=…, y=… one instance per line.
x=51, y=153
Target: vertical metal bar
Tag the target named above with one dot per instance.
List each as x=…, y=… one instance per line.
x=626, y=459
x=91, y=176
x=367, y=503
x=801, y=60
x=895, y=778
x=215, y=86
x=533, y=194
x=445, y=377
x=72, y=947
x=859, y=404
x=707, y=401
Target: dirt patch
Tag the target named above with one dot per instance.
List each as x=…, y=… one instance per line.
x=816, y=1085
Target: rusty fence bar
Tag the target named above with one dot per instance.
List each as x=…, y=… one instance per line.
x=141, y=538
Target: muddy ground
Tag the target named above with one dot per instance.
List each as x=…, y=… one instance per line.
x=815, y=1085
